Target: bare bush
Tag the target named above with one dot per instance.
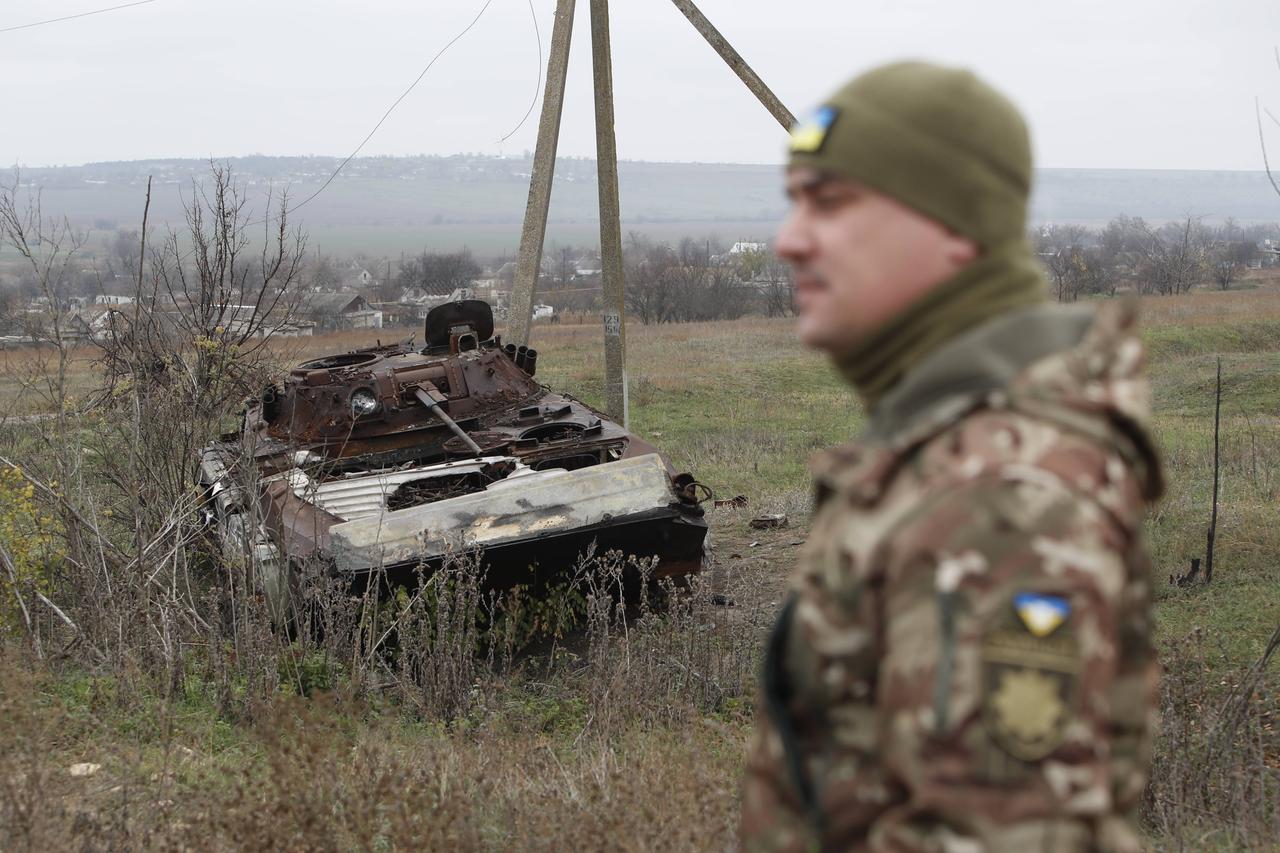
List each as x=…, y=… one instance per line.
x=1229, y=254
x=438, y=273
x=48, y=247
x=777, y=285
x=667, y=656
x=1060, y=248
x=115, y=473
x=1172, y=258
x=1212, y=782
x=685, y=284
x=651, y=287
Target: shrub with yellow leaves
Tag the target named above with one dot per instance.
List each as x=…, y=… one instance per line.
x=28, y=538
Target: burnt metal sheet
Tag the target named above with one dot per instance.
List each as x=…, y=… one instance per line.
x=301, y=528
x=538, y=504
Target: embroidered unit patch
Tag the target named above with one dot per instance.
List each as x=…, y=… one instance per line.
x=1028, y=687
x=1028, y=706
x=1041, y=614
x=808, y=136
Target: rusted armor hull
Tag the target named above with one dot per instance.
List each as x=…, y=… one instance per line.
x=390, y=459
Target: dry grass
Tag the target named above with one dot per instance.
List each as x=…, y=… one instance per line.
x=633, y=732
x=331, y=774
x=1216, y=783
x=1256, y=297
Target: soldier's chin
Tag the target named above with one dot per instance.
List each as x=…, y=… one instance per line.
x=811, y=329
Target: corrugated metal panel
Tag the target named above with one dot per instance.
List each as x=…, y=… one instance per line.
x=365, y=495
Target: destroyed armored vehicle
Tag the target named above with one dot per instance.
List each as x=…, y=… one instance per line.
x=383, y=461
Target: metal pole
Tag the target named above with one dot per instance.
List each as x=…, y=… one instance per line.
x=737, y=63
x=529, y=261
x=615, y=319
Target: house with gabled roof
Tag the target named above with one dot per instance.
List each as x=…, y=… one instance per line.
x=343, y=310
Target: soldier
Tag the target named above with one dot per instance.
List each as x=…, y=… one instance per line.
x=964, y=661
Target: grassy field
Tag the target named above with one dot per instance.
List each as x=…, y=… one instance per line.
x=632, y=736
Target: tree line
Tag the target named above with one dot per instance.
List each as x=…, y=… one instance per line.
x=1151, y=260
x=696, y=280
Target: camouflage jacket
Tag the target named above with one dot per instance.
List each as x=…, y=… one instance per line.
x=965, y=661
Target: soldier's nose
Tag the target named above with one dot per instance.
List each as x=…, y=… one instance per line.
x=792, y=243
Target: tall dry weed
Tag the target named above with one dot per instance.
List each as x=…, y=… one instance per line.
x=1215, y=778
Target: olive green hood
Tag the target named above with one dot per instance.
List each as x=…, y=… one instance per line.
x=1077, y=366
x=1003, y=280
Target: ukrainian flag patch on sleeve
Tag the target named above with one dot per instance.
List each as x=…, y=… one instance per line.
x=808, y=136
x=1041, y=614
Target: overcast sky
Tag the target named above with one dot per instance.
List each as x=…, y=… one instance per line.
x=1105, y=83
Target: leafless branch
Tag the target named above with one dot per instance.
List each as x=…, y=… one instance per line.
x=15, y=586
x=57, y=611
x=1262, y=138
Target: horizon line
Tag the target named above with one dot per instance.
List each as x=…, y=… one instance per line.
x=584, y=158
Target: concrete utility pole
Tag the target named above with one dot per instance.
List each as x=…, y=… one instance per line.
x=735, y=61
x=529, y=261
x=615, y=313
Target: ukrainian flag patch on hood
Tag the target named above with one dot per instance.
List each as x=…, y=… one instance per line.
x=808, y=136
x=1041, y=614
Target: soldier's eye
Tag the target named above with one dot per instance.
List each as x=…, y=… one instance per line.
x=834, y=199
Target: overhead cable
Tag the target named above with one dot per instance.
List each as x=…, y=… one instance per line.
x=73, y=17
x=537, y=88
x=395, y=104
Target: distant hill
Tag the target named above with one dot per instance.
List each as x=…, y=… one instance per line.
x=383, y=205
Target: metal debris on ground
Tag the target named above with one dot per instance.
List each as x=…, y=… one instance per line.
x=764, y=522
x=738, y=501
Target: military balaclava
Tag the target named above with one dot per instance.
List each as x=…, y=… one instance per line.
x=949, y=146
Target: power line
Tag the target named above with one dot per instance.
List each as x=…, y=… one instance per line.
x=395, y=104
x=73, y=17
x=537, y=88
x=385, y=115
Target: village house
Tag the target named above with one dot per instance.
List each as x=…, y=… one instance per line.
x=340, y=311
x=108, y=299
x=1266, y=255
x=239, y=319
x=359, y=279
x=91, y=323
x=397, y=313
x=587, y=267
x=506, y=274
